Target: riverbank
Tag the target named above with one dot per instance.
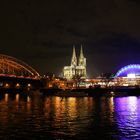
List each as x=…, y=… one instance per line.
x=117, y=91
x=91, y=92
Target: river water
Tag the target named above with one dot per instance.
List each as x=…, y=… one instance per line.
x=36, y=117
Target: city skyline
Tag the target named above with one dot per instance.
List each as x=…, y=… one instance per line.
x=43, y=33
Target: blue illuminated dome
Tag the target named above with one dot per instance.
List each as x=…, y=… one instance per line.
x=129, y=70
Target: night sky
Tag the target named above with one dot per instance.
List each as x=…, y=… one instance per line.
x=42, y=33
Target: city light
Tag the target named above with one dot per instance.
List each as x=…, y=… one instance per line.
x=129, y=69
x=128, y=75
x=131, y=75
x=17, y=85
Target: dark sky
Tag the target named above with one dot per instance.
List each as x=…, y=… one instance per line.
x=42, y=33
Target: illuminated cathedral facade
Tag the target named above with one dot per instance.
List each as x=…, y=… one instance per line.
x=77, y=68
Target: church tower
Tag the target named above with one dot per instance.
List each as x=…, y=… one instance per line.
x=82, y=64
x=82, y=59
x=74, y=58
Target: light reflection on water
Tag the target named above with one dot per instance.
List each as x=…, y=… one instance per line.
x=128, y=116
x=47, y=117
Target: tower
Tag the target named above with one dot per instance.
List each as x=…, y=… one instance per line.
x=82, y=59
x=74, y=58
x=82, y=64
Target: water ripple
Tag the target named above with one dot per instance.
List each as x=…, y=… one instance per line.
x=38, y=117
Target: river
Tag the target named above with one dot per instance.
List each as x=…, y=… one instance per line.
x=36, y=117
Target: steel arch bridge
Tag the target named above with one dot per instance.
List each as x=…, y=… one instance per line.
x=12, y=67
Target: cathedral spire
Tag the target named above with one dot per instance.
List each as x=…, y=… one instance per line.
x=81, y=52
x=82, y=59
x=74, y=58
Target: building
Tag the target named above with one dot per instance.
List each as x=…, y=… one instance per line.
x=77, y=68
x=128, y=76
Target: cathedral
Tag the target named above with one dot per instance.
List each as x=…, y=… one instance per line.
x=77, y=68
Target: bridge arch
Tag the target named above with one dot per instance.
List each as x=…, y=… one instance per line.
x=10, y=66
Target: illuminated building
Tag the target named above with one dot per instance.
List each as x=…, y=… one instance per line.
x=76, y=68
x=128, y=75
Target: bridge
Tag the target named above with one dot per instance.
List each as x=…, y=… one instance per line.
x=15, y=73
